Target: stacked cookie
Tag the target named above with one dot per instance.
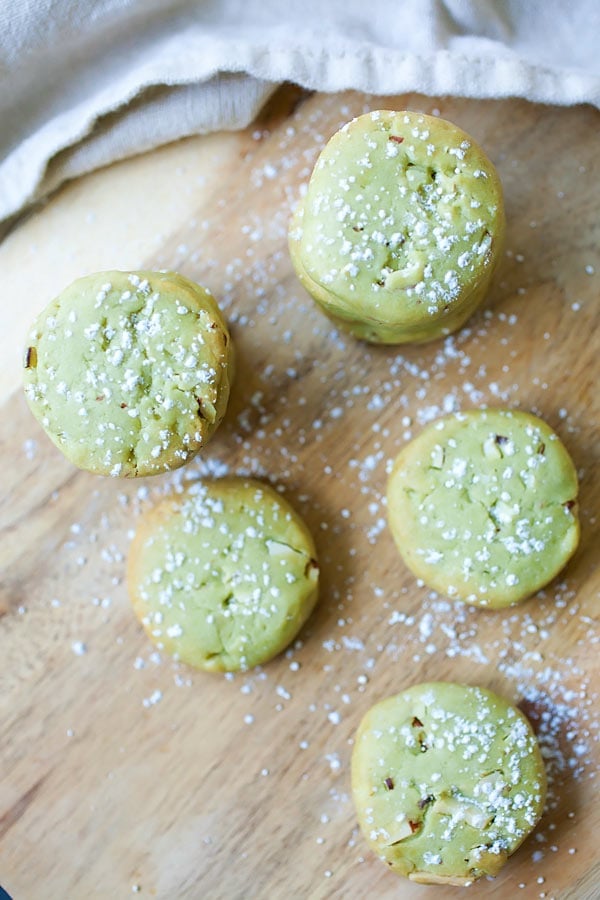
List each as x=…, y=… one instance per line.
x=401, y=227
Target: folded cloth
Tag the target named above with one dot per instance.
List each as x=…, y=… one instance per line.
x=86, y=82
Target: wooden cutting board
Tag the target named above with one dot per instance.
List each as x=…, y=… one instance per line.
x=123, y=772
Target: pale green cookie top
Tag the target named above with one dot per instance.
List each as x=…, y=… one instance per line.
x=448, y=780
x=129, y=373
x=402, y=219
x=224, y=575
x=482, y=506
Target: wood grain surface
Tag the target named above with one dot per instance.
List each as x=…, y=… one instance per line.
x=124, y=773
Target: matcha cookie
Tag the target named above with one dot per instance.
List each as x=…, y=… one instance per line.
x=483, y=506
x=224, y=575
x=448, y=781
x=400, y=229
x=129, y=373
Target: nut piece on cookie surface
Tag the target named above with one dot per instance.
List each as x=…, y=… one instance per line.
x=129, y=373
x=401, y=227
x=447, y=781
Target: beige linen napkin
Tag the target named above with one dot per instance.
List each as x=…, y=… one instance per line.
x=86, y=82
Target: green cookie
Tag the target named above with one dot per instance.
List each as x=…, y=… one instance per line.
x=129, y=373
x=224, y=575
x=400, y=229
x=448, y=781
x=482, y=506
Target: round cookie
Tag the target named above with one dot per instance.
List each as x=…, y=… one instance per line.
x=224, y=575
x=482, y=506
x=129, y=372
x=448, y=781
x=400, y=229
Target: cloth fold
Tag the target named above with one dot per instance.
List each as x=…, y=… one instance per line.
x=86, y=82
